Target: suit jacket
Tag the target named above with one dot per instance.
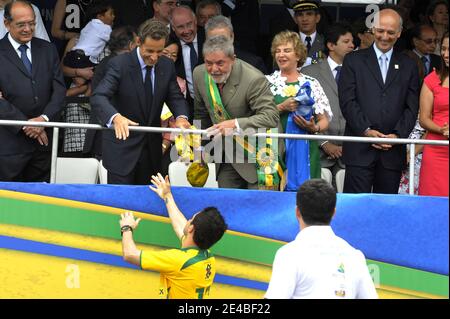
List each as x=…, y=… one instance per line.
x=322, y=72
x=179, y=64
x=122, y=91
x=367, y=102
x=251, y=59
x=316, y=46
x=25, y=96
x=247, y=97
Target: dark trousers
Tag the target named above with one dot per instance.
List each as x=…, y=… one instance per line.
x=229, y=178
x=140, y=175
x=375, y=178
x=26, y=167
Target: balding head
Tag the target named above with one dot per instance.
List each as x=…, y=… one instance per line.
x=184, y=23
x=20, y=20
x=387, y=29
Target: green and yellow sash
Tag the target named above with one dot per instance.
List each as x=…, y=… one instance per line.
x=268, y=169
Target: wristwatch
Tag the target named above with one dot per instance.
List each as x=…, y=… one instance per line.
x=125, y=228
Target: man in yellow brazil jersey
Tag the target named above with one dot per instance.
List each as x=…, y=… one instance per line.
x=189, y=271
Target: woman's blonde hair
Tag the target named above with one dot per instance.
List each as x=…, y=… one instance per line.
x=285, y=37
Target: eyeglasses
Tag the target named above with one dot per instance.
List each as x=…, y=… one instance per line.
x=430, y=41
x=22, y=25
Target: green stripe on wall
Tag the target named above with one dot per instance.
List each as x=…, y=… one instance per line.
x=93, y=223
x=410, y=279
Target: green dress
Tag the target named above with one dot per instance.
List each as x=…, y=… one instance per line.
x=314, y=153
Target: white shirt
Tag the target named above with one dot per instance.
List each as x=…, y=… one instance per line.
x=39, y=32
x=333, y=66
x=303, y=37
x=388, y=54
x=93, y=39
x=187, y=63
x=320, y=265
x=16, y=46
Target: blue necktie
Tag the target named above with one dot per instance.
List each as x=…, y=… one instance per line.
x=193, y=56
x=383, y=66
x=426, y=64
x=23, y=55
x=338, y=73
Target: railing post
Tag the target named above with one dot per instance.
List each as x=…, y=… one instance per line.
x=412, y=157
x=54, y=155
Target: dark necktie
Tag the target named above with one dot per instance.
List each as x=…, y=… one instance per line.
x=308, y=43
x=148, y=88
x=23, y=55
x=193, y=56
x=220, y=87
x=426, y=64
x=338, y=73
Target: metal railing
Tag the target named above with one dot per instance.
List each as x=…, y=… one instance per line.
x=57, y=125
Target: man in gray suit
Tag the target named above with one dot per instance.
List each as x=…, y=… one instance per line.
x=339, y=42
x=307, y=17
x=244, y=97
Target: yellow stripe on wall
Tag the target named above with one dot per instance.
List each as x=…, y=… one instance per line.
x=225, y=266
x=27, y=275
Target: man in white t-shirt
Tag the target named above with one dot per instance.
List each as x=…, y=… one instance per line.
x=318, y=264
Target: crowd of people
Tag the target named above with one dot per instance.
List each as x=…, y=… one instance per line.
x=166, y=63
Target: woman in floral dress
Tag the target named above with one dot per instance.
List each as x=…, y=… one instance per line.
x=303, y=105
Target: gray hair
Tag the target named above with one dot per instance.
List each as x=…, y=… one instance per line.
x=204, y=3
x=153, y=29
x=218, y=22
x=218, y=43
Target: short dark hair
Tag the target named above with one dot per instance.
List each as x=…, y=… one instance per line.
x=153, y=29
x=98, y=7
x=416, y=32
x=334, y=32
x=7, y=14
x=209, y=227
x=316, y=200
x=121, y=38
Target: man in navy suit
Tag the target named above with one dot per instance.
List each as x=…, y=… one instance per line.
x=132, y=92
x=378, y=96
x=31, y=89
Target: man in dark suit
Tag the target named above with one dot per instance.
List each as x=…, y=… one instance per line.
x=31, y=89
x=190, y=40
x=220, y=25
x=424, y=41
x=132, y=92
x=339, y=42
x=378, y=96
x=307, y=16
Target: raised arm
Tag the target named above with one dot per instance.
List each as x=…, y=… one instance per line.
x=162, y=189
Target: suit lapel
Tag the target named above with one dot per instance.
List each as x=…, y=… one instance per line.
x=9, y=52
x=327, y=74
x=230, y=88
x=157, y=87
x=373, y=65
x=35, y=58
x=137, y=81
x=394, y=68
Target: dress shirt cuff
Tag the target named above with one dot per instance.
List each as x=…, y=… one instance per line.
x=109, y=124
x=323, y=143
x=365, y=131
x=182, y=117
x=238, y=128
x=45, y=117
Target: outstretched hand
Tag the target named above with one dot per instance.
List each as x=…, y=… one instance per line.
x=127, y=219
x=162, y=185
